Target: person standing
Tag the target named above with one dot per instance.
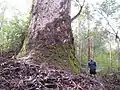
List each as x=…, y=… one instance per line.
x=92, y=67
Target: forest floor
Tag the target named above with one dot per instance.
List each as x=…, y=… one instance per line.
x=111, y=81
x=21, y=75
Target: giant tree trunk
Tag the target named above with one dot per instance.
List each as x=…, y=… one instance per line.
x=50, y=37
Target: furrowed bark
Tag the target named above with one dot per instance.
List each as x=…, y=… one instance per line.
x=50, y=36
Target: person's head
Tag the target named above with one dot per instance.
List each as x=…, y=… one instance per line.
x=91, y=60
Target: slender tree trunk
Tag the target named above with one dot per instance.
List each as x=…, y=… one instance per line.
x=118, y=55
x=89, y=49
x=92, y=47
x=110, y=57
x=50, y=37
x=89, y=38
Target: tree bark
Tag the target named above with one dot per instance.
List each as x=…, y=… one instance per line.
x=50, y=37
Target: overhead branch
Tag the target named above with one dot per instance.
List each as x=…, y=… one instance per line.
x=115, y=33
x=107, y=21
x=110, y=32
x=81, y=7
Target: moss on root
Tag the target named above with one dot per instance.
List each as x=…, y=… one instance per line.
x=73, y=61
x=62, y=56
x=67, y=54
x=24, y=50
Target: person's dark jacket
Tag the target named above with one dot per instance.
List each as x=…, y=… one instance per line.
x=92, y=64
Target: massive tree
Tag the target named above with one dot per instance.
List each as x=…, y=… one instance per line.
x=50, y=36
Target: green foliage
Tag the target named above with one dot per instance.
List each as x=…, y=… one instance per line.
x=109, y=7
x=104, y=62
x=13, y=33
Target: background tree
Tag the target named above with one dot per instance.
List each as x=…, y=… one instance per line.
x=102, y=42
